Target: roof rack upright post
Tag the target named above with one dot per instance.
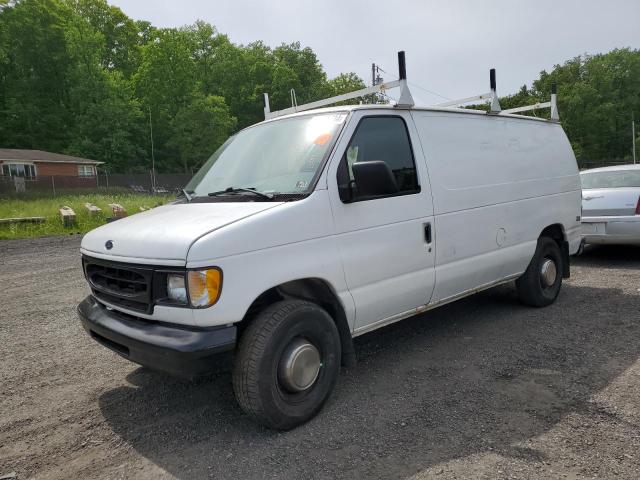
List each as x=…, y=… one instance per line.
x=555, y=116
x=267, y=109
x=495, y=102
x=405, y=100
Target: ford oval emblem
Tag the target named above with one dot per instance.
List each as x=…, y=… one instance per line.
x=109, y=244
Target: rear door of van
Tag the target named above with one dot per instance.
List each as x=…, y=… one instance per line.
x=386, y=243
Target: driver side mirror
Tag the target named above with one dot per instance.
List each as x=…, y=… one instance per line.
x=374, y=178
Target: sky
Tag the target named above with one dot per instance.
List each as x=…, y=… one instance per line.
x=450, y=44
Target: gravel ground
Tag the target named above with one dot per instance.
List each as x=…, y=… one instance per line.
x=483, y=388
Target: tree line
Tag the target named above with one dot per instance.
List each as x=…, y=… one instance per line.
x=81, y=77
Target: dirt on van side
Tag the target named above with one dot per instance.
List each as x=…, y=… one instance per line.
x=482, y=388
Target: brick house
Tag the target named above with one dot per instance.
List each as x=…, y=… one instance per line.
x=32, y=164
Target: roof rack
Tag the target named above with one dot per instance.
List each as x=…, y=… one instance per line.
x=405, y=100
x=495, y=108
x=552, y=104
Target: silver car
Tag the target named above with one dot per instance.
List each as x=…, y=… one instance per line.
x=611, y=205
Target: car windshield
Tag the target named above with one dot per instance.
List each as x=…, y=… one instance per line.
x=279, y=157
x=611, y=179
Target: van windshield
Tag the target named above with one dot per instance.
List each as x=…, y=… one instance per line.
x=273, y=158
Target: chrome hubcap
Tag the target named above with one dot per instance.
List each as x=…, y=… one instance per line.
x=548, y=272
x=299, y=366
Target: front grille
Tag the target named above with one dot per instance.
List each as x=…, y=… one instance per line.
x=120, y=284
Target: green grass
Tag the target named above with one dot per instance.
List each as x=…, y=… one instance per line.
x=48, y=207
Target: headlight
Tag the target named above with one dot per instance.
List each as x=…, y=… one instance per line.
x=176, y=289
x=204, y=287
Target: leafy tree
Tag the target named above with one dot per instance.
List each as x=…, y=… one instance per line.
x=206, y=46
x=34, y=67
x=199, y=128
x=164, y=83
x=111, y=127
x=120, y=50
x=345, y=83
x=303, y=70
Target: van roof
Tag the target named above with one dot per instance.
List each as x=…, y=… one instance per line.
x=465, y=111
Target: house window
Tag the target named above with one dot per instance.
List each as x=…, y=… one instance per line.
x=86, y=170
x=19, y=170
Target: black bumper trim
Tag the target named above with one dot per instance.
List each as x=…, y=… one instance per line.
x=176, y=349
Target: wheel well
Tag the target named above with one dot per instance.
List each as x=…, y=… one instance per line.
x=556, y=232
x=313, y=290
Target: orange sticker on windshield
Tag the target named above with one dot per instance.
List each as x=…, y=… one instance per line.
x=322, y=139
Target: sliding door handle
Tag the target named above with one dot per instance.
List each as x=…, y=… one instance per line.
x=427, y=232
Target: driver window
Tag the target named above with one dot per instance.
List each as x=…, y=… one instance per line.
x=380, y=139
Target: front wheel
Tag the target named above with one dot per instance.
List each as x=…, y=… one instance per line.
x=540, y=284
x=287, y=364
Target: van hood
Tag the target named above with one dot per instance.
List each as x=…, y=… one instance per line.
x=165, y=233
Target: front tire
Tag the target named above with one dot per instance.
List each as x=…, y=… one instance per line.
x=287, y=364
x=540, y=284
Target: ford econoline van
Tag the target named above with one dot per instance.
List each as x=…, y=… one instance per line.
x=309, y=229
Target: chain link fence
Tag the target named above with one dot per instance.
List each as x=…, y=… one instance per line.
x=163, y=183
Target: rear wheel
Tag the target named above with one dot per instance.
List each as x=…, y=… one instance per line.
x=540, y=284
x=287, y=364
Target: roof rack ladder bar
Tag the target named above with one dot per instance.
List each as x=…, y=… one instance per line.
x=406, y=100
x=535, y=106
x=552, y=104
x=460, y=101
x=495, y=102
x=330, y=101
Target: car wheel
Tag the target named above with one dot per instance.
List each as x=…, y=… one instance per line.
x=540, y=284
x=287, y=364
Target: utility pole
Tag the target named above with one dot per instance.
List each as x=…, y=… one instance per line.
x=633, y=136
x=376, y=79
x=153, y=158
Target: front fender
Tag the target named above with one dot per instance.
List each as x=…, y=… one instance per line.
x=248, y=275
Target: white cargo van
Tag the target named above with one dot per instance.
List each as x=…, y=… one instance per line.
x=311, y=228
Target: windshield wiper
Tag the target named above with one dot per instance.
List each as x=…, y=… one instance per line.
x=268, y=196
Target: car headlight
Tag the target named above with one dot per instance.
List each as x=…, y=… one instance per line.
x=204, y=287
x=176, y=289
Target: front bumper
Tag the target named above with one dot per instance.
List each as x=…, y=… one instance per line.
x=174, y=349
x=611, y=230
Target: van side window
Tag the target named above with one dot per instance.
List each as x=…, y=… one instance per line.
x=378, y=139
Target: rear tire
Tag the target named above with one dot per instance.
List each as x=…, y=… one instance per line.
x=540, y=284
x=287, y=364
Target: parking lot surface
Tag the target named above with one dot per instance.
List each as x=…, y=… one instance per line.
x=482, y=388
